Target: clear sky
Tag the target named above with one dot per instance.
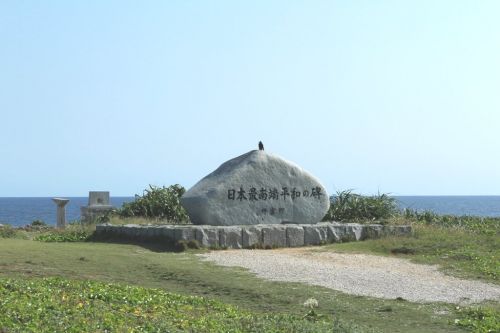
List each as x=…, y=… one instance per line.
x=392, y=96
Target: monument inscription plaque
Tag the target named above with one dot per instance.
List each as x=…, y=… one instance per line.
x=256, y=188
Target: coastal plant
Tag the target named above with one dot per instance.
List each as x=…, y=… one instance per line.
x=38, y=223
x=75, y=231
x=161, y=203
x=479, y=319
x=347, y=206
x=37, y=226
x=64, y=236
x=65, y=305
x=476, y=224
x=6, y=231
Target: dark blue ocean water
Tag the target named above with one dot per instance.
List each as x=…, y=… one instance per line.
x=453, y=205
x=22, y=211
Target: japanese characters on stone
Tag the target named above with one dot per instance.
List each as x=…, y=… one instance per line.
x=272, y=193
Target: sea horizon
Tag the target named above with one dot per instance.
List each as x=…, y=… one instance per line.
x=20, y=211
x=389, y=194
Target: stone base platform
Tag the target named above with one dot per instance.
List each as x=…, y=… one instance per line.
x=253, y=236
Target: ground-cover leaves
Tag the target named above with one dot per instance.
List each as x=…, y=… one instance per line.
x=479, y=319
x=62, y=305
x=64, y=236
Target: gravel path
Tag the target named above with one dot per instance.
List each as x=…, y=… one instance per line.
x=358, y=274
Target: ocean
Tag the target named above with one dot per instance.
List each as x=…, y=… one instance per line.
x=487, y=206
x=22, y=211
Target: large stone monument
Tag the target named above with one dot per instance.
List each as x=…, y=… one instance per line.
x=98, y=205
x=257, y=188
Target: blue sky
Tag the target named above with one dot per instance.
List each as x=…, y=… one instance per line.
x=391, y=96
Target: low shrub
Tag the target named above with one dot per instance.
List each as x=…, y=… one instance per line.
x=36, y=226
x=38, y=223
x=6, y=231
x=158, y=203
x=348, y=206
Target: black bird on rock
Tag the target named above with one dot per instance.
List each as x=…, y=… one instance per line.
x=261, y=145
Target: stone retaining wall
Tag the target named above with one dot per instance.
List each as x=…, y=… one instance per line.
x=255, y=236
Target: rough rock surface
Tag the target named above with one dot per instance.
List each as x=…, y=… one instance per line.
x=250, y=236
x=256, y=188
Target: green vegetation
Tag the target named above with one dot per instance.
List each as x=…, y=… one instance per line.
x=347, y=206
x=462, y=245
x=479, y=319
x=140, y=289
x=74, y=232
x=160, y=203
x=62, y=305
x=475, y=224
x=465, y=246
x=6, y=231
x=38, y=223
x=37, y=226
x=184, y=274
x=459, y=251
x=66, y=235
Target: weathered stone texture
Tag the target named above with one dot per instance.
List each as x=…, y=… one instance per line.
x=184, y=234
x=251, y=236
x=294, y=236
x=237, y=237
x=274, y=236
x=230, y=237
x=373, y=231
x=208, y=236
x=256, y=188
x=315, y=234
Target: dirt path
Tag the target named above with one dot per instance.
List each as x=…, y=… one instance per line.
x=358, y=274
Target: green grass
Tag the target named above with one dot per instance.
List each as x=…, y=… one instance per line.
x=463, y=246
x=459, y=252
x=62, y=305
x=479, y=319
x=184, y=274
x=74, y=232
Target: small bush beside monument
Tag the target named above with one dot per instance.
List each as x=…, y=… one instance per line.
x=161, y=203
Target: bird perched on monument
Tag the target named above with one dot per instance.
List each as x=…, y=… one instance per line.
x=261, y=145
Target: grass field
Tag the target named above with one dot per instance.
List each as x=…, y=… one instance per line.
x=236, y=293
x=459, y=252
x=62, y=305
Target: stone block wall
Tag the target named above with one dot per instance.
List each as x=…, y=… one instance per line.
x=254, y=236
